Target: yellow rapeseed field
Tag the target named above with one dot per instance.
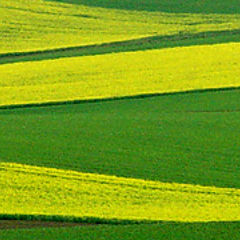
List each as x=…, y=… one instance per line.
x=43, y=191
x=38, y=24
x=121, y=74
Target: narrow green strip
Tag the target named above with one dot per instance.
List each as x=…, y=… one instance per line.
x=153, y=42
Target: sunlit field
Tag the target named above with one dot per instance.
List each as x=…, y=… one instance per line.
x=36, y=191
x=40, y=25
x=120, y=118
x=122, y=74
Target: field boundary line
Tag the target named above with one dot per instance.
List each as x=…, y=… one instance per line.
x=107, y=99
x=36, y=221
x=73, y=219
x=139, y=44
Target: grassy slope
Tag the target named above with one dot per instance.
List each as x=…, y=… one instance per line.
x=165, y=231
x=177, y=231
x=185, y=138
x=34, y=191
x=122, y=74
x=42, y=24
x=179, y=6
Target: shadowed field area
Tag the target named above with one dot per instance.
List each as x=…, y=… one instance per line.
x=154, y=42
x=176, y=6
x=16, y=224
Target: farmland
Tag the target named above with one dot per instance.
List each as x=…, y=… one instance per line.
x=169, y=138
x=177, y=6
x=119, y=119
x=168, y=230
x=50, y=192
x=120, y=74
x=41, y=25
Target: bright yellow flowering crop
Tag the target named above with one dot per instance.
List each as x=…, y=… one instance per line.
x=35, y=190
x=121, y=74
x=37, y=24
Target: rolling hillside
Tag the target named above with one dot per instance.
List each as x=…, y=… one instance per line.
x=122, y=74
x=122, y=113
x=36, y=191
x=41, y=25
x=185, y=138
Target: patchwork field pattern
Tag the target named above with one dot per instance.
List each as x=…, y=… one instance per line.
x=169, y=138
x=38, y=25
x=163, y=158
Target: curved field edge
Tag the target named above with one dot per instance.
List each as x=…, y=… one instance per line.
x=178, y=6
x=153, y=42
x=185, y=138
x=133, y=97
x=73, y=219
x=37, y=191
x=121, y=74
x=46, y=25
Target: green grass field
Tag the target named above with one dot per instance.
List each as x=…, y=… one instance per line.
x=161, y=148
x=185, y=138
x=164, y=231
x=178, y=6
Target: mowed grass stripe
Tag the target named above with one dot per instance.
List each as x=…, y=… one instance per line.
x=43, y=191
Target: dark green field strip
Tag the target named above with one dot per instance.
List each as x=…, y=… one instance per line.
x=185, y=138
x=164, y=231
x=153, y=42
x=72, y=219
x=26, y=224
x=178, y=6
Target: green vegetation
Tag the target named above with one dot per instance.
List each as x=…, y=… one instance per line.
x=178, y=6
x=122, y=74
x=154, y=42
x=42, y=25
x=163, y=231
x=186, y=138
x=166, y=146
x=45, y=191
